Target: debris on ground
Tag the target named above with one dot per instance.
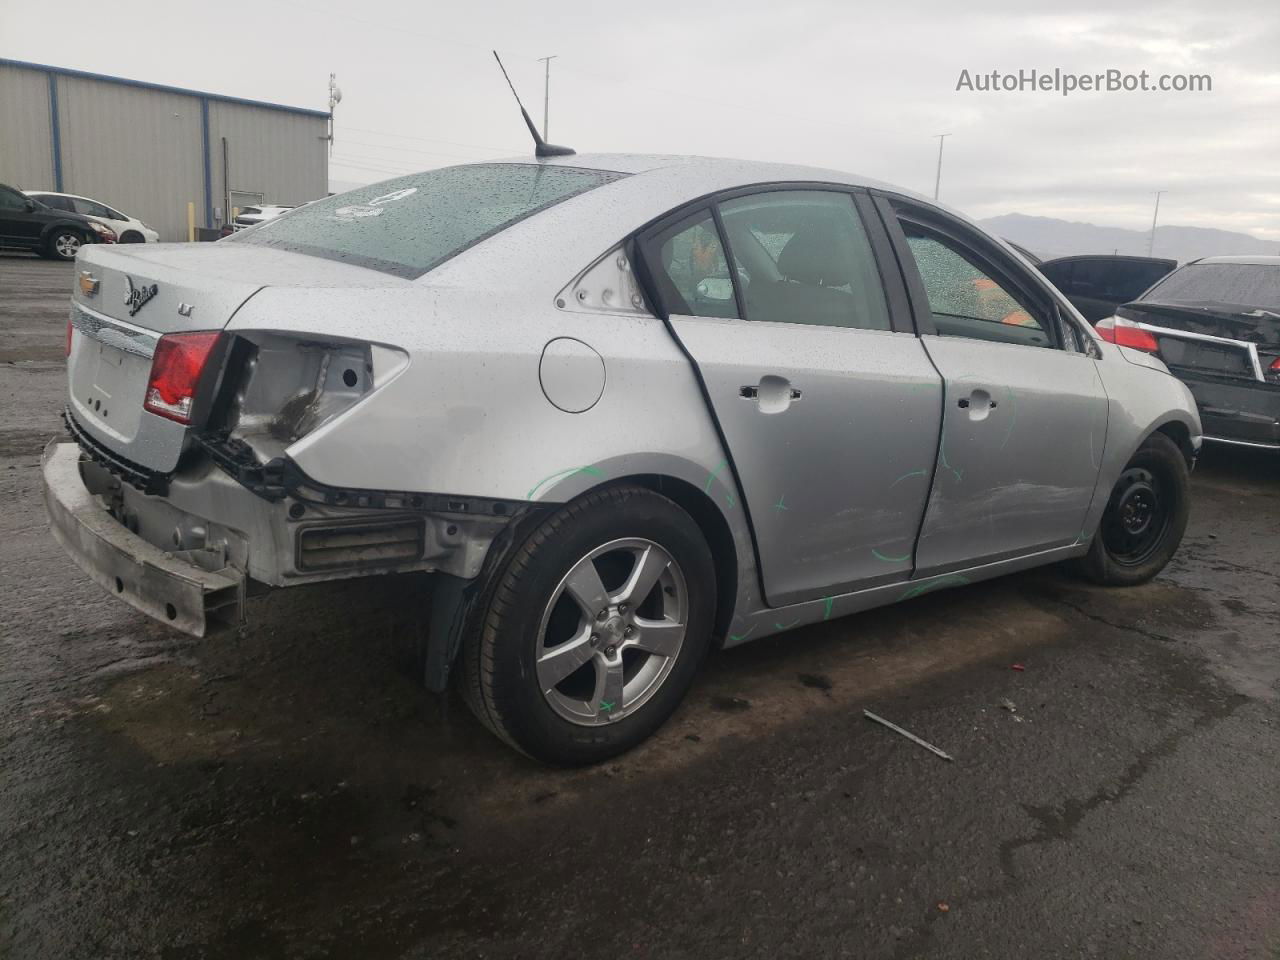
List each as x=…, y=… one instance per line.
x=943, y=906
x=1017, y=666
x=1007, y=704
x=908, y=734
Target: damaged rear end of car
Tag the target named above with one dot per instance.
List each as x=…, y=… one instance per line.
x=178, y=491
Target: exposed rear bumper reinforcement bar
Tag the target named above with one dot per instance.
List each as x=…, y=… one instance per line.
x=162, y=585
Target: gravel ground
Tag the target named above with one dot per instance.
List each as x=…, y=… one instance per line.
x=291, y=792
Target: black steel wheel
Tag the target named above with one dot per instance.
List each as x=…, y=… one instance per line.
x=1145, y=517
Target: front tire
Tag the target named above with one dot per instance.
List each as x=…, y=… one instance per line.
x=593, y=629
x=132, y=236
x=1145, y=517
x=65, y=244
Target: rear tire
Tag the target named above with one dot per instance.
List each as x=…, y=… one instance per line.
x=1145, y=518
x=626, y=663
x=64, y=244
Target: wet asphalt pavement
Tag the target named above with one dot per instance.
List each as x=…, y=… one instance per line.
x=290, y=792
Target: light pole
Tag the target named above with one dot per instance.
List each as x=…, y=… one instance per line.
x=546, y=93
x=937, y=181
x=1151, y=242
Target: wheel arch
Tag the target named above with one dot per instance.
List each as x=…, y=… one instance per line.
x=715, y=530
x=46, y=238
x=1180, y=434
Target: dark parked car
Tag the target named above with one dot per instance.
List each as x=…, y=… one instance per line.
x=1097, y=283
x=28, y=224
x=1216, y=325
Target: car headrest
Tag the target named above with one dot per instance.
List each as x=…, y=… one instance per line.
x=811, y=256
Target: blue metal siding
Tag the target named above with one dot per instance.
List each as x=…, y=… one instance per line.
x=208, y=163
x=55, y=132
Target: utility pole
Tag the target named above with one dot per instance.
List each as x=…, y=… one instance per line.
x=1151, y=243
x=937, y=181
x=546, y=93
x=335, y=98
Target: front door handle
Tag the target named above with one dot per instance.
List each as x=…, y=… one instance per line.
x=773, y=394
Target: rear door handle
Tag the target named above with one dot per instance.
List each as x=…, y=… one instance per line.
x=773, y=394
x=979, y=403
x=753, y=393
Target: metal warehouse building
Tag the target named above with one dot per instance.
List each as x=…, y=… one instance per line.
x=150, y=150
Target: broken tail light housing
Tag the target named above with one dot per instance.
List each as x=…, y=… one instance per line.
x=1126, y=333
x=179, y=361
x=1273, y=371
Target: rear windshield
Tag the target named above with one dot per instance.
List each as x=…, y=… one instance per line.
x=411, y=224
x=1243, y=284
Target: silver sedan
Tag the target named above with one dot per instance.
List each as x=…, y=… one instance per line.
x=618, y=409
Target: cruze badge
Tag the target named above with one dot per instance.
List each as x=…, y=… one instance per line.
x=137, y=297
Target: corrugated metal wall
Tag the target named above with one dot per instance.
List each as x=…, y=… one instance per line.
x=136, y=149
x=282, y=156
x=26, y=161
x=142, y=149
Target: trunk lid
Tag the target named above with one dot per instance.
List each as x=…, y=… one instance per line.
x=126, y=297
x=1219, y=338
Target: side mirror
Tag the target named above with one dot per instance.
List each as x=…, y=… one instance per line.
x=31, y=205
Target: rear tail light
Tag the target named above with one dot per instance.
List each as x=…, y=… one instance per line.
x=69, y=330
x=1273, y=371
x=1126, y=333
x=175, y=373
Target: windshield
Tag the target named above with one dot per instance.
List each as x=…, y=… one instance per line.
x=1245, y=284
x=411, y=224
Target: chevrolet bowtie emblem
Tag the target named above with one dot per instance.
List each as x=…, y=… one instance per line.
x=88, y=284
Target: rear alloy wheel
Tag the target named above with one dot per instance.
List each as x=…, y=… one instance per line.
x=1145, y=517
x=594, y=629
x=65, y=244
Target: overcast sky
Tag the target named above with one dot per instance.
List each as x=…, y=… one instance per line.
x=859, y=87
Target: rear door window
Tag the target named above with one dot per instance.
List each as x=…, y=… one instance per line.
x=91, y=208
x=411, y=224
x=802, y=256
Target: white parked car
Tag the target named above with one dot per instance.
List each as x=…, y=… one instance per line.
x=252, y=216
x=128, y=229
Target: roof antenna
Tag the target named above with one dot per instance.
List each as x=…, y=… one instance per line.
x=541, y=147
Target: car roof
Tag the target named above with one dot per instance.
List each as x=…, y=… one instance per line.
x=1124, y=257
x=750, y=171
x=70, y=196
x=1256, y=261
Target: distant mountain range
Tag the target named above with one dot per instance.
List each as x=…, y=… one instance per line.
x=1048, y=237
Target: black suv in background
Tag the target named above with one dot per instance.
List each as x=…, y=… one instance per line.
x=28, y=224
x=1098, y=283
